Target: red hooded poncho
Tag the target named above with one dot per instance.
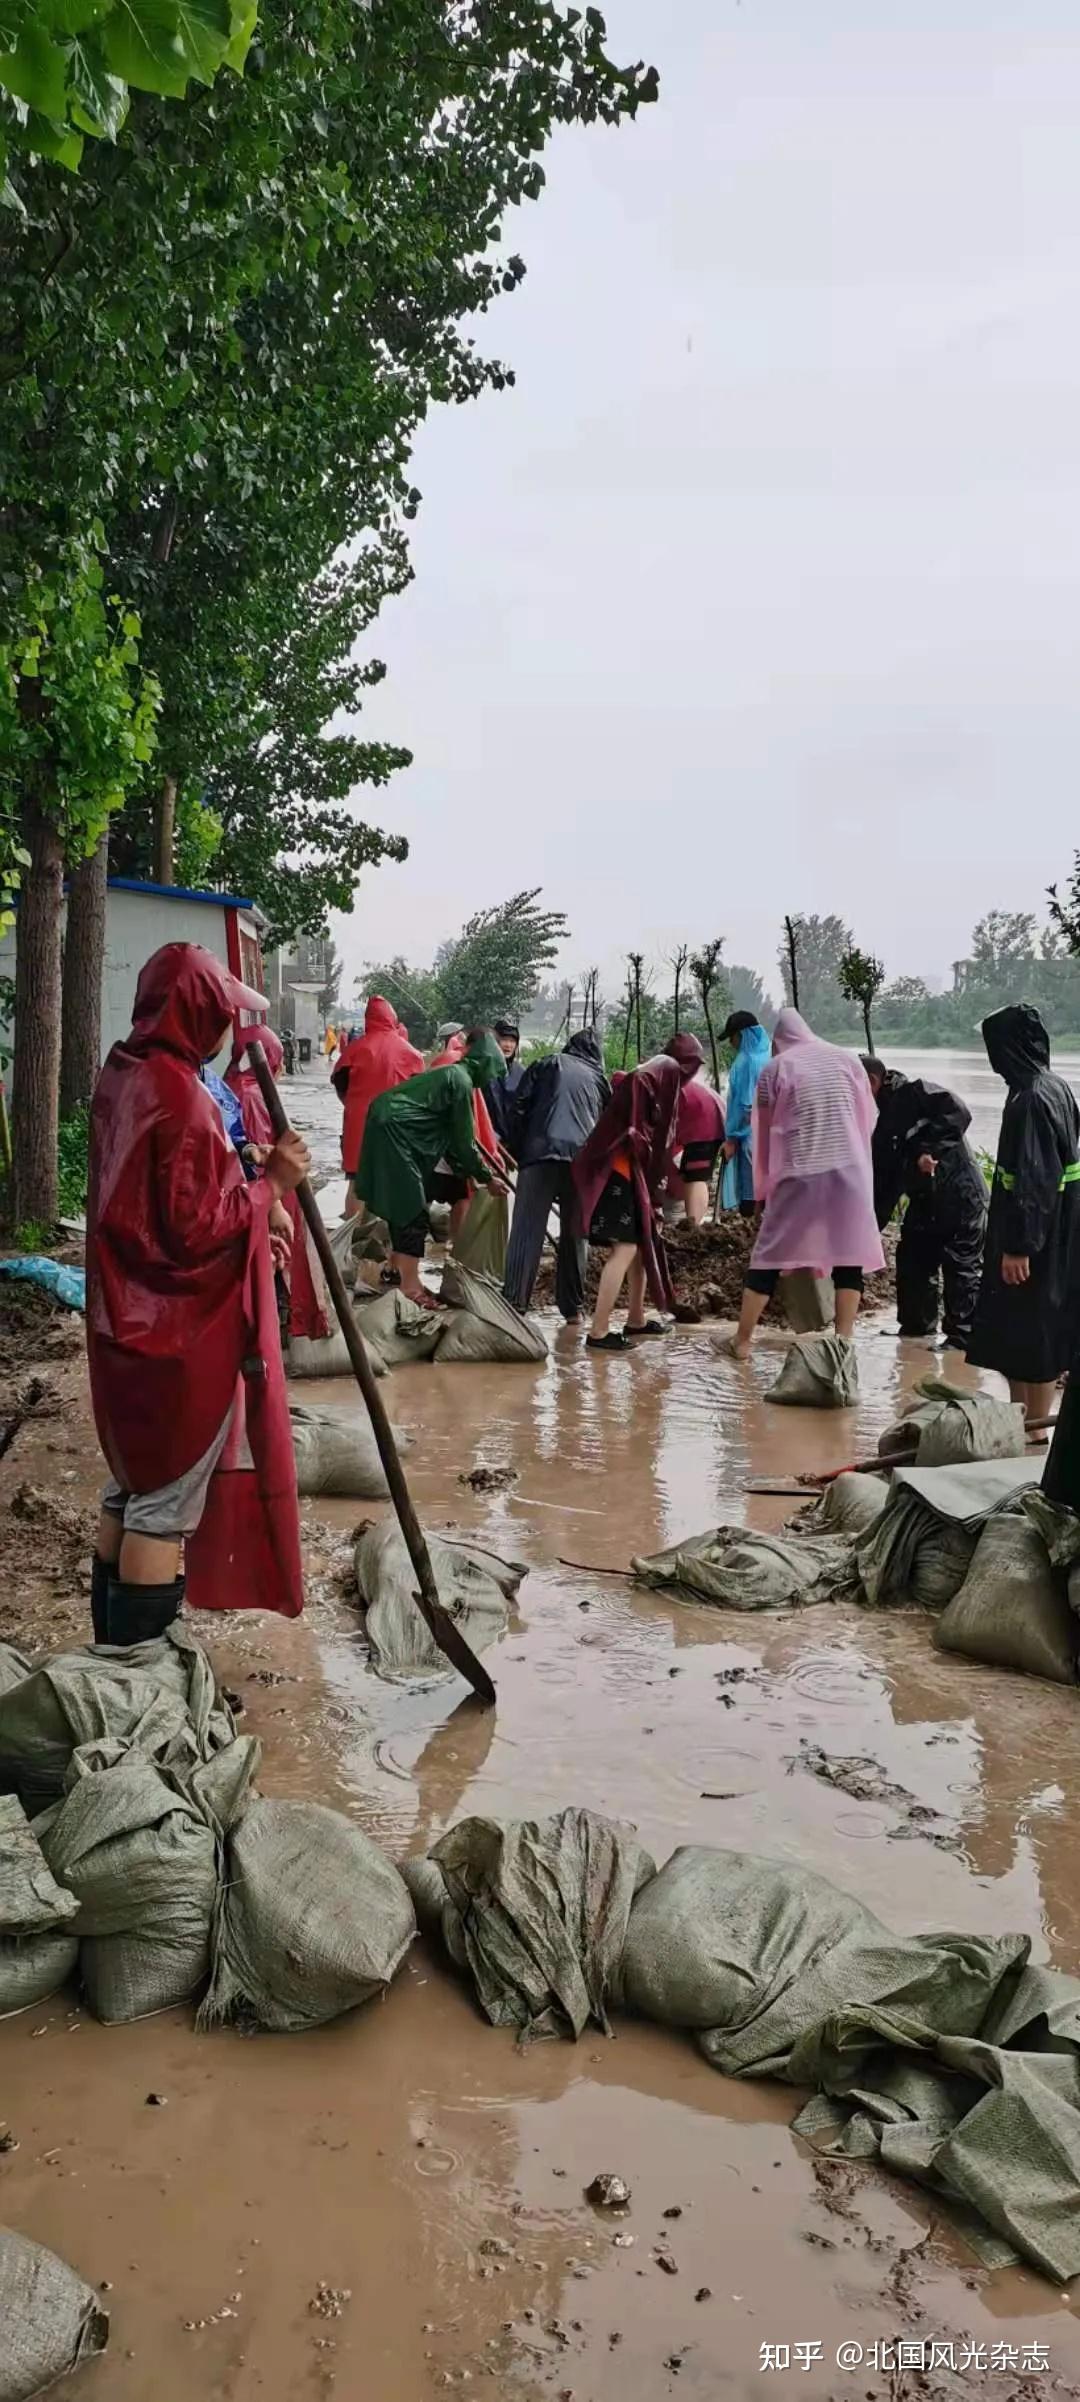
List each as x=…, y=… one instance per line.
x=308, y=1313
x=638, y=1131
x=381, y=1057
x=180, y=1314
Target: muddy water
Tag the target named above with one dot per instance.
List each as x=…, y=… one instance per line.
x=306, y=2216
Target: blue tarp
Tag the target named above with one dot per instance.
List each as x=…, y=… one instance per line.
x=65, y=1284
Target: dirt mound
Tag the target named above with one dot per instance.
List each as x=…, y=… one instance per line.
x=708, y=1269
x=35, y=1327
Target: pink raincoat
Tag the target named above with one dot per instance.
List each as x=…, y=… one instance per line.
x=814, y=1117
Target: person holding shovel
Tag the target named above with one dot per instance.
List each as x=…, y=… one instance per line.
x=186, y=1373
x=408, y=1131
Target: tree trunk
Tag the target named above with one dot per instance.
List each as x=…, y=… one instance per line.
x=165, y=830
x=629, y=1020
x=793, y=961
x=866, y=1023
x=36, y=1073
x=712, y=1037
x=84, y=966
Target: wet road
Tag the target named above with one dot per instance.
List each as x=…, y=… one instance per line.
x=379, y=2157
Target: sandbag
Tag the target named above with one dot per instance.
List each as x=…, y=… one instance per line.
x=157, y=1697
x=312, y=1919
x=474, y=1587
x=141, y=1859
x=947, y=2057
x=38, y=1951
x=946, y=1424
x=339, y=1454
x=50, y=2321
x=400, y=1330
x=536, y=1912
x=483, y=1326
x=808, y=1301
x=1012, y=1609
x=326, y=1355
x=820, y=1372
x=482, y=1243
x=14, y=1665
x=850, y=1505
x=923, y=1544
x=742, y=1570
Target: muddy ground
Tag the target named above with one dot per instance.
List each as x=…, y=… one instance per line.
x=395, y=2207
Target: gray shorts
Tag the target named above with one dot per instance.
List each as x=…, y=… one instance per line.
x=173, y=1510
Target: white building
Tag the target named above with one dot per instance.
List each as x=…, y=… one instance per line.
x=139, y=918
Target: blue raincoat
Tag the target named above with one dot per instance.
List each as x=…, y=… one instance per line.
x=754, y=1049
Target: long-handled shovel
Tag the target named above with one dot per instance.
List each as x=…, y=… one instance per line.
x=448, y=1636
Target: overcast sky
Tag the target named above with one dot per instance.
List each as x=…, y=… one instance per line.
x=759, y=592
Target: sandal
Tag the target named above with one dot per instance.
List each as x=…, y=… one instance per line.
x=606, y=1342
x=648, y=1326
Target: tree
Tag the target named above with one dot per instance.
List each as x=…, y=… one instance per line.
x=860, y=977
x=1002, y=939
x=495, y=966
x=76, y=727
x=414, y=992
x=65, y=73
x=748, y=991
x=255, y=301
x=820, y=944
x=679, y=962
x=331, y=991
x=706, y=968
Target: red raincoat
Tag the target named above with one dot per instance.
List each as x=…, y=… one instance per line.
x=308, y=1313
x=639, y=1127
x=381, y=1057
x=181, y=1320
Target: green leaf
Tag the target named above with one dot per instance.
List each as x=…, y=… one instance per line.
x=204, y=31
x=66, y=17
x=36, y=71
x=244, y=20
x=140, y=44
x=51, y=139
x=100, y=101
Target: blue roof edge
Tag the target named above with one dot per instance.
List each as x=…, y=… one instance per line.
x=179, y=892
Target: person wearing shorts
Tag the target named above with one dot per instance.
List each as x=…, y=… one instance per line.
x=179, y=1316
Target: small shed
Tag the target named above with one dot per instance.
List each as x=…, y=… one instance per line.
x=139, y=918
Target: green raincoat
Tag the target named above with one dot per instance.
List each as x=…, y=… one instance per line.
x=414, y=1125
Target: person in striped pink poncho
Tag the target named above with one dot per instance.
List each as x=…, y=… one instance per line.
x=813, y=1124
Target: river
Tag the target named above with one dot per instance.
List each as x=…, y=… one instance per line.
x=969, y=1073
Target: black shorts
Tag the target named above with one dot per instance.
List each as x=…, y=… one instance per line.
x=442, y=1186
x=698, y=1161
x=765, y=1280
x=410, y=1240
x=616, y=1218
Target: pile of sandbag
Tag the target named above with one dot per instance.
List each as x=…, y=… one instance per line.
x=820, y=1372
x=850, y=1505
x=945, y=1426
x=400, y=1330
x=38, y=1949
x=154, y=1862
x=326, y=1355
x=946, y=2056
x=535, y=1913
x=336, y=1453
x=741, y=1570
x=475, y=1588
x=1013, y=1609
x=480, y=1325
x=51, y=2322
x=923, y=1544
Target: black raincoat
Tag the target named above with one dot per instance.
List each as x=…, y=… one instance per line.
x=941, y=1239
x=1028, y=1331
x=558, y=1101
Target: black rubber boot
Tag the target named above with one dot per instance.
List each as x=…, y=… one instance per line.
x=100, y=1572
x=140, y=1613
